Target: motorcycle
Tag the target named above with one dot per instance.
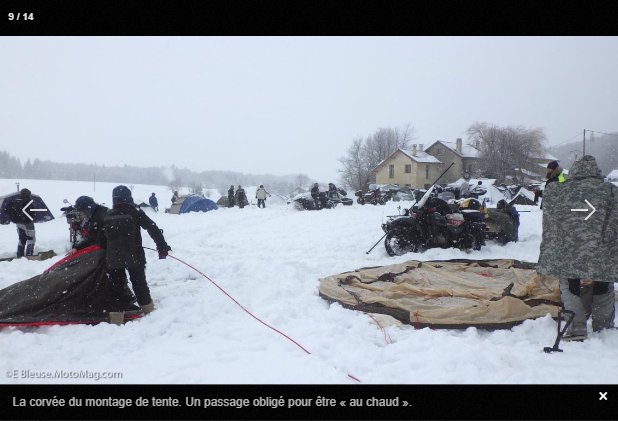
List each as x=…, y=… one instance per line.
x=338, y=197
x=431, y=223
x=75, y=221
x=304, y=201
x=373, y=196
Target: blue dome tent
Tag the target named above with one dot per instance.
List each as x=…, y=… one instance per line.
x=192, y=203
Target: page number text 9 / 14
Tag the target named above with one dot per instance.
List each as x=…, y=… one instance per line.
x=21, y=16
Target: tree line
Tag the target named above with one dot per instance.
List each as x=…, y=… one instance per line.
x=173, y=177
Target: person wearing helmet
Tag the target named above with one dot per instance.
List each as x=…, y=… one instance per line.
x=511, y=210
x=93, y=214
x=121, y=237
x=154, y=203
x=260, y=195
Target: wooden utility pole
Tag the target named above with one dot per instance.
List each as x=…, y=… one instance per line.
x=584, y=143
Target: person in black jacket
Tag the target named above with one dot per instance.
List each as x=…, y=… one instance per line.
x=230, y=197
x=241, y=197
x=93, y=214
x=25, y=226
x=122, y=239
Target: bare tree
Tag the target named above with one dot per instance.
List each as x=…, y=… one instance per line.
x=364, y=155
x=507, y=149
x=302, y=180
x=354, y=172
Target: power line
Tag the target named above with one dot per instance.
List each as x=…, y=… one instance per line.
x=578, y=134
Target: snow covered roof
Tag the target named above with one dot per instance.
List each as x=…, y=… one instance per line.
x=549, y=156
x=613, y=176
x=422, y=157
x=467, y=151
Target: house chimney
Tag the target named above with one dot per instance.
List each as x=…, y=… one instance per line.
x=458, y=147
x=420, y=147
x=414, y=150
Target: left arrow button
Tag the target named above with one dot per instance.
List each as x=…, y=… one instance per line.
x=26, y=207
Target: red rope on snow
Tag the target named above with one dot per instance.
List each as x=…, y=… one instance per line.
x=389, y=340
x=247, y=311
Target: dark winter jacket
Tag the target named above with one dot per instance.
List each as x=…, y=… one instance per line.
x=122, y=239
x=174, y=199
x=92, y=227
x=555, y=175
x=241, y=197
x=15, y=207
x=230, y=193
x=573, y=246
x=153, y=201
x=315, y=192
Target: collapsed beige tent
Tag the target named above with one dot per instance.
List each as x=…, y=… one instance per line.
x=454, y=294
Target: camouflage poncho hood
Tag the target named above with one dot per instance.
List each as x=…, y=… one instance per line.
x=585, y=168
x=580, y=244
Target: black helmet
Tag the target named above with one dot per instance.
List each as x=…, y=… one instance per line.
x=501, y=204
x=316, y=185
x=85, y=203
x=552, y=165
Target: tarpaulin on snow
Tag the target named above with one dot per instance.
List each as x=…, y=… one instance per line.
x=37, y=203
x=74, y=290
x=454, y=294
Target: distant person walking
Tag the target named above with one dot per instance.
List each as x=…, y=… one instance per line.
x=260, y=195
x=154, y=203
x=122, y=239
x=230, y=197
x=241, y=197
x=25, y=226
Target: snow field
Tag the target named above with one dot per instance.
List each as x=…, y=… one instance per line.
x=270, y=260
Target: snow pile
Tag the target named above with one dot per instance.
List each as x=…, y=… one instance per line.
x=270, y=261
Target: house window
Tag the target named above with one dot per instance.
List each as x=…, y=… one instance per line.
x=470, y=170
x=440, y=151
x=426, y=171
x=391, y=171
x=408, y=185
x=408, y=168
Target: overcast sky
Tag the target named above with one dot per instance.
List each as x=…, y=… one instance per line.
x=288, y=105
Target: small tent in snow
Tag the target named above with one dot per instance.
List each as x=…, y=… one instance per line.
x=223, y=201
x=192, y=203
x=454, y=294
x=523, y=197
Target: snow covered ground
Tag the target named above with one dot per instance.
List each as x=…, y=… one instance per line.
x=270, y=261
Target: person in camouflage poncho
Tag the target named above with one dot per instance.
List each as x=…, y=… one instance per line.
x=579, y=250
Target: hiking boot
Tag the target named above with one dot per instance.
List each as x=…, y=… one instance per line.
x=575, y=337
x=116, y=317
x=148, y=308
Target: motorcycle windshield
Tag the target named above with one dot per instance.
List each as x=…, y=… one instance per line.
x=425, y=197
